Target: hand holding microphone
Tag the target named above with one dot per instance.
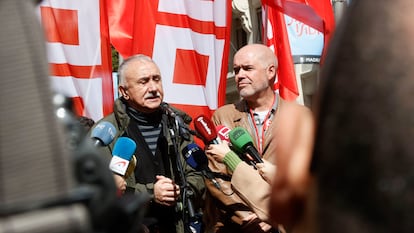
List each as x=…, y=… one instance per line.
x=218, y=151
x=223, y=133
x=122, y=153
x=267, y=170
x=242, y=141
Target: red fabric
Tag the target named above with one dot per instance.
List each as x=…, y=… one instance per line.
x=315, y=13
x=324, y=9
x=129, y=21
x=106, y=71
x=286, y=79
x=134, y=26
x=62, y=26
x=53, y=18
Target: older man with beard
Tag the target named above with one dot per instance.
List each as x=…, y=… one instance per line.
x=244, y=195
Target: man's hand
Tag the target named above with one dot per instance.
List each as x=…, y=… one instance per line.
x=166, y=192
x=120, y=183
x=264, y=226
x=267, y=171
x=218, y=151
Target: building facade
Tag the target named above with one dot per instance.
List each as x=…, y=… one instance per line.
x=247, y=29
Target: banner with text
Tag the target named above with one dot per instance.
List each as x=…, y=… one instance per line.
x=298, y=32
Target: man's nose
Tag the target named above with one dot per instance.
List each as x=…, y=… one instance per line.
x=152, y=86
x=239, y=76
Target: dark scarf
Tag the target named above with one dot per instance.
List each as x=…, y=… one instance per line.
x=149, y=124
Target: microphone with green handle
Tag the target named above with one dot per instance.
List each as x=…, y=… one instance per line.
x=242, y=141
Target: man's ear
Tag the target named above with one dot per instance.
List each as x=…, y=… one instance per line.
x=124, y=92
x=271, y=69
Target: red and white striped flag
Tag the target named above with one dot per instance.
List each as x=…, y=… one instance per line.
x=189, y=40
x=79, y=53
x=314, y=14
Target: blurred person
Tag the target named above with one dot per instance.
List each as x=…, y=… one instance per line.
x=255, y=67
x=138, y=115
x=358, y=177
x=291, y=200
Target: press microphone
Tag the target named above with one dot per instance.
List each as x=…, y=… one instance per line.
x=197, y=159
x=223, y=133
x=242, y=141
x=122, y=153
x=103, y=133
x=182, y=128
x=166, y=107
x=206, y=130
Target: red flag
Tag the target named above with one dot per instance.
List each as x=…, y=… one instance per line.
x=279, y=41
x=79, y=54
x=189, y=40
x=317, y=14
x=323, y=8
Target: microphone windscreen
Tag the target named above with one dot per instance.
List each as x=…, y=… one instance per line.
x=205, y=128
x=200, y=158
x=124, y=148
x=239, y=138
x=122, y=153
x=104, y=131
x=223, y=132
x=188, y=155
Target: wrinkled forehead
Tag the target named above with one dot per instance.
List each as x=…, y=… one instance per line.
x=245, y=57
x=142, y=68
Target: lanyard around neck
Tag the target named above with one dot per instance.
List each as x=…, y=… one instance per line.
x=260, y=137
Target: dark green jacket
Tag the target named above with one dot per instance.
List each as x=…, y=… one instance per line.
x=120, y=119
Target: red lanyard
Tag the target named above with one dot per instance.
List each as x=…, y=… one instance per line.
x=266, y=122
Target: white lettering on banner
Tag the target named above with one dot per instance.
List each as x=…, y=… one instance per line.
x=165, y=52
x=87, y=88
x=204, y=124
x=197, y=9
x=301, y=29
x=303, y=39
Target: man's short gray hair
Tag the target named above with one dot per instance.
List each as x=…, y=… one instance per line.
x=124, y=65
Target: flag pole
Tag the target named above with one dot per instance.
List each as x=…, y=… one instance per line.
x=265, y=23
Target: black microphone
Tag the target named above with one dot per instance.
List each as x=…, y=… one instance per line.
x=182, y=128
x=103, y=133
x=206, y=130
x=197, y=159
x=242, y=141
x=167, y=109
